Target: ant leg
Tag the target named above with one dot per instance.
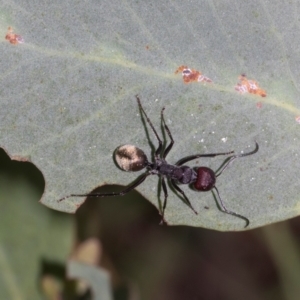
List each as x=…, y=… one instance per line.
x=232, y=158
x=125, y=191
x=186, y=200
x=191, y=157
x=225, y=210
x=164, y=186
x=167, y=150
x=159, y=148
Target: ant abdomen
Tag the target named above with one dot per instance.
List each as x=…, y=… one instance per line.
x=206, y=179
x=130, y=158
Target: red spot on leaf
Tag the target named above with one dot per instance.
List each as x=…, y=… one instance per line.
x=191, y=75
x=13, y=38
x=259, y=105
x=249, y=86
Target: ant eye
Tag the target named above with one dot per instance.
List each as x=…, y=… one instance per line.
x=206, y=179
x=130, y=158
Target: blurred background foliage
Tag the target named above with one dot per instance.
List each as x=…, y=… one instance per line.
x=145, y=261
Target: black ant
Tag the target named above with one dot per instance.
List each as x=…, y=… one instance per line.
x=131, y=158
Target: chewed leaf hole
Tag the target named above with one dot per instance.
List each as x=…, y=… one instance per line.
x=14, y=171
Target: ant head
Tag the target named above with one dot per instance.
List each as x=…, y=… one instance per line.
x=206, y=179
x=130, y=158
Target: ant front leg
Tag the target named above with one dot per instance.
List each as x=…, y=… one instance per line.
x=186, y=200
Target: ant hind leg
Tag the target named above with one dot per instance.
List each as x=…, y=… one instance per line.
x=167, y=150
x=129, y=188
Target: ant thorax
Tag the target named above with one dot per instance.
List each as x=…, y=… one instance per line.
x=181, y=174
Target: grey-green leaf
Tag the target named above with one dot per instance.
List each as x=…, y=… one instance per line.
x=67, y=98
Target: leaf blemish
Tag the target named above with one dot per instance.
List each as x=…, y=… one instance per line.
x=191, y=75
x=249, y=86
x=13, y=38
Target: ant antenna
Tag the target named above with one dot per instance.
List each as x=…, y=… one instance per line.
x=225, y=210
x=232, y=158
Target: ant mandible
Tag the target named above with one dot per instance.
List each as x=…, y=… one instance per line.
x=131, y=158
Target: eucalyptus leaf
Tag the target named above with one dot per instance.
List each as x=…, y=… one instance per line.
x=68, y=98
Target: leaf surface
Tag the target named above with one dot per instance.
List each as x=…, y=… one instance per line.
x=67, y=98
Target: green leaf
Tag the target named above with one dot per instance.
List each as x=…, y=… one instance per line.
x=34, y=241
x=67, y=98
